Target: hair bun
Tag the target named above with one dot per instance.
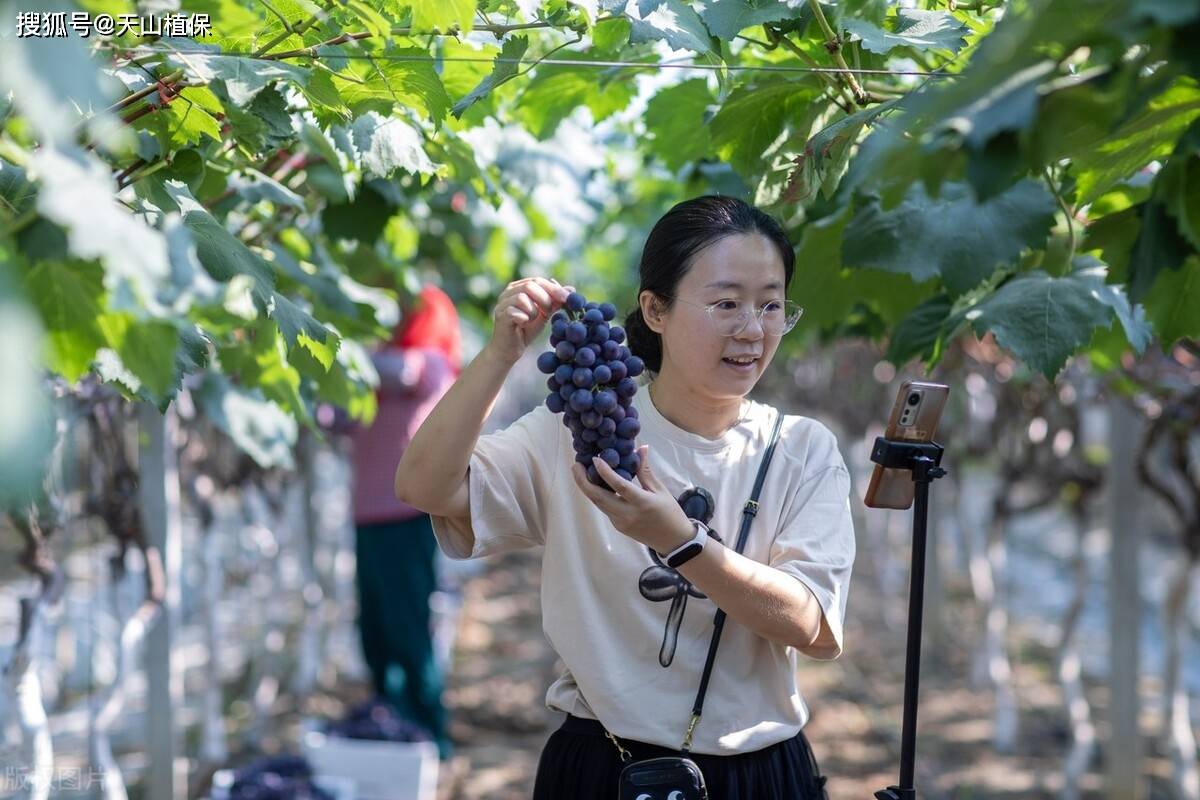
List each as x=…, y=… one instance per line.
x=643, y=342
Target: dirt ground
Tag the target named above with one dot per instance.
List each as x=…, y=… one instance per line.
x=503, y=664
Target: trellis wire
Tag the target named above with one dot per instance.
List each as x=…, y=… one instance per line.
x=147, y=50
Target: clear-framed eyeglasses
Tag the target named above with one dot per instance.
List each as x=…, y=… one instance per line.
x=730, y=317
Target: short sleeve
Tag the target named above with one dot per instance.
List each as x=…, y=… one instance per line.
x=815, y=543
x=511, y=479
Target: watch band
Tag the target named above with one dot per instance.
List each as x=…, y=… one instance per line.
x=689, y=549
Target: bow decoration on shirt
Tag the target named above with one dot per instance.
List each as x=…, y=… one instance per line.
x=660, y=583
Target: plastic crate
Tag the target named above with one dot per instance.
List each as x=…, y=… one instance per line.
x=380, y=770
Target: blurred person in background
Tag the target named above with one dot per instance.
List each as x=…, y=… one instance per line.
x=396, y=549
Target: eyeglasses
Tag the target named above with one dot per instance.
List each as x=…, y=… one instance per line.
x=730, y=317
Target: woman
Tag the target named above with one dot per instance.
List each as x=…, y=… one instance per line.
x=396, y=550
x=714, y=275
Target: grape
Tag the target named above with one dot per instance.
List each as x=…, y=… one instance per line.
x=624, y=473
x=577, y=333
x=378, y=720
x=582, y=378
x=591, y=384
x=581, y=400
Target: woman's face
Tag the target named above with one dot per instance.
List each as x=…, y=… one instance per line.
x=742, y=268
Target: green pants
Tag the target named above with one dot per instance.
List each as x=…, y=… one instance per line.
x=395, y=577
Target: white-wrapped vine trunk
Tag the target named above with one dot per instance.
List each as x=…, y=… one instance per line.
x=991, y=666
x=110, y=702
x=1177, y=737
x=24, y=690
x=1079, y=713
x=213, y=751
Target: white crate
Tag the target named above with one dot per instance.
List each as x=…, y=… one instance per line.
x=340, y=788
x=380, y=770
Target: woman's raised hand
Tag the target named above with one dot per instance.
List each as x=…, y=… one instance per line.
x=521, y=312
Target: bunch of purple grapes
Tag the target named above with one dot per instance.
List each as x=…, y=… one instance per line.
x=377, y=720
x=283, y=777
x=592, y=385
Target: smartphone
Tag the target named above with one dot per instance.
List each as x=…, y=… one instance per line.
x=915, y=417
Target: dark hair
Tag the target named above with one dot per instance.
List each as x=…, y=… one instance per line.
x=676, y=240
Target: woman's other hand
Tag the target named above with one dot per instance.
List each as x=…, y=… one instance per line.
x=647, y=513
x=521, y=312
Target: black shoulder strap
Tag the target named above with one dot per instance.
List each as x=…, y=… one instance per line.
x=719, y=621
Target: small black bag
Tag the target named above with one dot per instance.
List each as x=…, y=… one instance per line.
x=660, y=778
x=678, y=777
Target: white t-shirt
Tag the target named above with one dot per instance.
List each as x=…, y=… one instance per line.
x=608, y=607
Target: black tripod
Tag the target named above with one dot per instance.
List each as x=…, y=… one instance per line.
x=923, y=461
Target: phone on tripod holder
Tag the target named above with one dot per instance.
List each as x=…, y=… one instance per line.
x=915, y=416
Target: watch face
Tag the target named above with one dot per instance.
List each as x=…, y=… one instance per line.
x=687, y=553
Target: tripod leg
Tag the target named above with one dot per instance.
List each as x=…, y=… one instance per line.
x=912, y=657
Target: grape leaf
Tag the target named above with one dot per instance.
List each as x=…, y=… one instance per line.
x=1173, y=303
x=77, y=193
x=727, y=18
x=753, y=116
x=26, y=412
x=675, y=118
x=258, y=426
x=1179, y=188
x=558, y=90
x=923, y=30
x=442, y=15
x=951, y=235
x=243, y=78
x=412, y=84
x=1150, y=135
x=222, y=254
x=386, y=144
x=147, y=350
x=300, y=328
x=1044, y=320
x=674, y=22
x=69, y=297
x=505, y=67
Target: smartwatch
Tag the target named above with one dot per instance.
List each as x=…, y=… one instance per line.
x=689, y=549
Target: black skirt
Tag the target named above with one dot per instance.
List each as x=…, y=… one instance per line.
x=580, y=763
